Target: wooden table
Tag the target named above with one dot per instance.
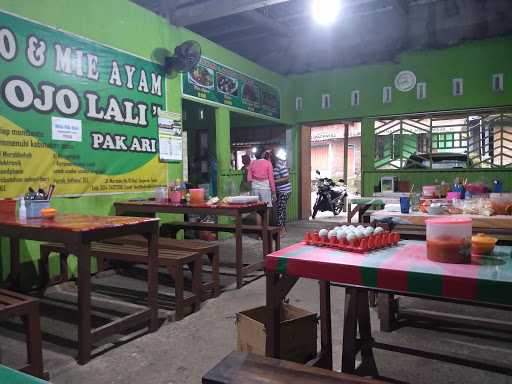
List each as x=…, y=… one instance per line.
x=403, y=270
x=499, y=226
x=379, y=199
x=151, y=207
x=479, y=221
x=11, y=376
x=77, y=232
x=361, y=205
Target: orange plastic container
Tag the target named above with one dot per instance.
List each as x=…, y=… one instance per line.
x=196, y=195
x=500, y=202
x=483, y=244
x=48, y=213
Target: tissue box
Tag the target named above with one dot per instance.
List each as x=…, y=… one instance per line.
x=34, y=207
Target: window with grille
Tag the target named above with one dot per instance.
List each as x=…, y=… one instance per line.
x=444, y=142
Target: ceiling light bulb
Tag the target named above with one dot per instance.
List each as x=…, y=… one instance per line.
x=325, y=12
x=281, y=154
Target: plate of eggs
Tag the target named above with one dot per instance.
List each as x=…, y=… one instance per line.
x=351, y=238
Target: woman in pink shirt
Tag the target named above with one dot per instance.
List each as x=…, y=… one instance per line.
x=261, y=176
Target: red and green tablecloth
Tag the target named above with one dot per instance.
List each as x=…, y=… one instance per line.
x=10, y=376
x=402, y=269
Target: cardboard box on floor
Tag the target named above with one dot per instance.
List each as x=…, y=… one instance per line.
x=298, y=333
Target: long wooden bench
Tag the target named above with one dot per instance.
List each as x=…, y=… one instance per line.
x=245, y=368
x=173, y=260
x=172, y=228
x=16, y=305
x=208, y=249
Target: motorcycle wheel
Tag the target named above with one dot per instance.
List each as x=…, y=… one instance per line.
x=338, y=207
x=315, y=211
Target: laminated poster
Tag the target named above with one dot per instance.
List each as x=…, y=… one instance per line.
x=76, y=113
x=213, y=82
x=170, y=136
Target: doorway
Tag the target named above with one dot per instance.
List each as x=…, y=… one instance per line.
x=332, y=155
x=199, y=123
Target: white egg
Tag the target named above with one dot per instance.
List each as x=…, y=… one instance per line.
x=343, y=227
x=351, y=236
x=331, y=234
x=351, y=227
x=361, y=227
x=339, y=232
x=378, y=230
x=340, y=235
x=323, y=233
x=368, y=231
x=336, y=228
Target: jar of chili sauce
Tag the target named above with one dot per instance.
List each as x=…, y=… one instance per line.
x=449, y=240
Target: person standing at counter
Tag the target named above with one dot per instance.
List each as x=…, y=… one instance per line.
x=245, y=185
x=283, y=188
x=261, y=176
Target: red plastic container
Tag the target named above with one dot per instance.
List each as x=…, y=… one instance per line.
x=175, y=197
x=8, y=207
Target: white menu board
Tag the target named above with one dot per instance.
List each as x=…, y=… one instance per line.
x=170, y=136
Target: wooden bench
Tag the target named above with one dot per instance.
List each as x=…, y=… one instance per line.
x=16, y=305
x=202, y=247
x=172, y=228
x=173, y=260
x=245, y=368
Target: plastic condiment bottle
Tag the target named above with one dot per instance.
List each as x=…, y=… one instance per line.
x=22, y=211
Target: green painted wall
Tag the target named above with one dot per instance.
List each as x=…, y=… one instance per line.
x=123, y=25
x=475, y=62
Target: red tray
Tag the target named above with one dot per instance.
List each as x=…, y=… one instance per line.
x=364, y=245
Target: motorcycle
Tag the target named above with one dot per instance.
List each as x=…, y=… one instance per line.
x=330, y=196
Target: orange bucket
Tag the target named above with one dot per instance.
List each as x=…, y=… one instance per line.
x=196, y=195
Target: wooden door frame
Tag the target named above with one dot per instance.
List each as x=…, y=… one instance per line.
x=305, y=161
x=305, y=172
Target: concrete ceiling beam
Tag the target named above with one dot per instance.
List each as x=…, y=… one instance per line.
x=215, y=9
